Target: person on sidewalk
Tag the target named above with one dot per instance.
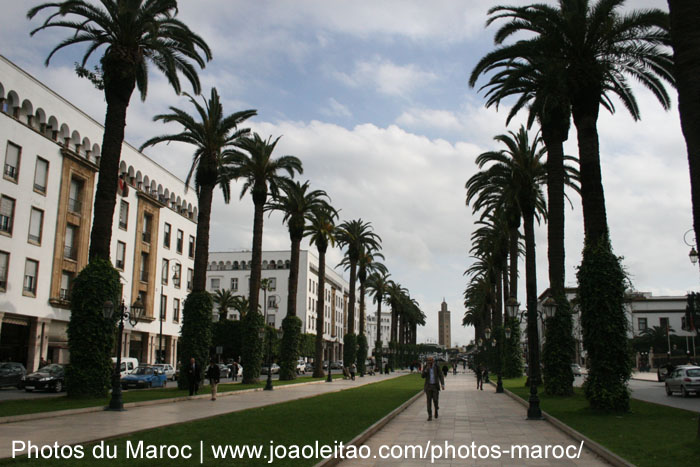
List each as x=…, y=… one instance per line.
x=353, y=369
x=479, y=380
x=434, y=380
x=194, y=374
x=234, y=371
x=213, y=375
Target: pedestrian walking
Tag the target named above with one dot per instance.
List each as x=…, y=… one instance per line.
x=434, y=380
x=213, y=375
x=454, y=367
x=445, y=370
x=479, y=380
x=234, y=371
x=353, y=369
x=194, y=375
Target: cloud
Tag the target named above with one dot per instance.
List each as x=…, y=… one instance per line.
x=335, y=109
x=386, y=77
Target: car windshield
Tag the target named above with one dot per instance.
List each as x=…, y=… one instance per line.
x=5, y=366
x=143, y=371
x=693, y=372
x=54, y=368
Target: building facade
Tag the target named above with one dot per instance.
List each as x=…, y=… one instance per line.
x=371, y=325
x=444, y=326
x=231, y=270
x=51, y=152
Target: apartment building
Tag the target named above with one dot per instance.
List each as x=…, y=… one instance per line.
x=51, y=159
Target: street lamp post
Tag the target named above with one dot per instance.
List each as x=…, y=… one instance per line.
x=121, y=313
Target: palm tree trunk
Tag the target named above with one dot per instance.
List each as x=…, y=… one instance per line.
x=555, y=214
x=117, y=93
x=201, y=251
x=362, y=308
x=533, y=347
x=378, y=343
x=351, y=298
x=513, y=255
x=402, y=327
x=394, y=322
x=294, y=283
x=320, y=304
x=256, y=260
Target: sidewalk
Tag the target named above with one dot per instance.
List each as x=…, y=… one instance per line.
x=645, y=375
x=93, y=426
x=466, y=416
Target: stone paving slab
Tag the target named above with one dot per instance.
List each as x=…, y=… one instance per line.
x=87, y=427
x=468, y=415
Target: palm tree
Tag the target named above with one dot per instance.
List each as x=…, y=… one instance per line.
x=377, y=285
x=135, y=33
x=213, y=134
x=395, y=293
x=262, y=176
x=366, y=265
x=298, y=204
x=321, y=232
x=354, y=235
x=224, y=300
x=241, y=305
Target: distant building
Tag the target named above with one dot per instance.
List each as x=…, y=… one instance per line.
x=444, y=329
x=371, y=328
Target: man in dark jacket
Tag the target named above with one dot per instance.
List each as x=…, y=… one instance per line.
x=434, y=380
x=194, y=375
x=214, y=375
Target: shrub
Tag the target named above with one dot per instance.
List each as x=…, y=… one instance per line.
x=512, y=353
x=361, y=353
x=559, y=351
x=349, y=349
x=195, y=335
x=252, y=351
x=289, y=351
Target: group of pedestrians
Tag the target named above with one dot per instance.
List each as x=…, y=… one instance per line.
x=213, y=374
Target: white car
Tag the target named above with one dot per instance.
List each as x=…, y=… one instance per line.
x=684, y=379
x=301, y=368
x=167, y=369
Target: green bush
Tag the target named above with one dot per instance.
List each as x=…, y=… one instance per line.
x=289, y=351
x=91, y=337
x=228, y=334
x=559, y=351
x=601, y=292
x=349, y=349
x=252, y=351
x=512, y=353
x=361, y=353
x=195, y=335
x=307, y=345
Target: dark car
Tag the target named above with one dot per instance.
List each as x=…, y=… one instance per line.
x=49, y=378
x=11, y=374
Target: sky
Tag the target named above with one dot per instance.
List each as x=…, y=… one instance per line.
x=373, y=97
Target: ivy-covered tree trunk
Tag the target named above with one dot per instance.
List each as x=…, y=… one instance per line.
x=513, y=360
x=91, y=336
x=349, y=349
x=558, y=352
x=320, y=305
x=362, y=349
x=252, y=352
x=289, y=353
x=601, y=288
x=195, y=335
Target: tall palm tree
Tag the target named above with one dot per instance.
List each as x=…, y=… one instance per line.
x=395, y=293
x=224, y=300
x=366, y=265
x=135, y=33
x=355, y=235
x=214, y=135
x=298, y=204
x=241, y=305
x=262, y=175
x=321, y=232
x=377, y=285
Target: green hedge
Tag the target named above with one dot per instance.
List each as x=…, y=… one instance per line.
x=289, y=351
x=559, y=351
x=195, y=335
x=361, y=353
x=252, y=351
x=91, y=337
x=512, y=352
x=349, y=349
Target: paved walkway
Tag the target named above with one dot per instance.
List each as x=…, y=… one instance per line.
x=466, y=416
x=93, y=426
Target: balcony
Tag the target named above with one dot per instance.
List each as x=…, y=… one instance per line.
x=122, y=224
x=11, y=171
x=34, y=238
x=64, y=294
x=70, y=252
x=40, y=188
x=119, y=264
x=75, y=205
x=144, y=275
x=146, y=237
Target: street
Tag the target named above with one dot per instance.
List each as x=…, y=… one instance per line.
x=654, y=391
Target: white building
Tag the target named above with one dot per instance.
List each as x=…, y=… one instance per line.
x=231, y=270
x=371, y=326
x=51, y=152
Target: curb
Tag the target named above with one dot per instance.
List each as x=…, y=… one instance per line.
x=609, y=456
x=369, y=432
x=100, y=408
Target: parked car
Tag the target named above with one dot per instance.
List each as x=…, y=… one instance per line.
x=144, y=377
x=11, y=374
x=576, y=369
x=684, y=379
x=224, y=370
x=128, y=365
x=275, y=369
x=168, y=369
x=336, y=365
x=309, y=367
x=301, y=368
x=49, y=378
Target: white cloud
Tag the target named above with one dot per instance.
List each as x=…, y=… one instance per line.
x=386, y=77
x=335, y=109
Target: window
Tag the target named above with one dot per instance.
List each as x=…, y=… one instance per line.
x=272, y=302
x=75, y=203
x=271, y=284
x=215, y=283
x=271, y=320
x=663, y=322
x=164, y=272
x=176, y=310
x=12, y=156
x=190, y=276
x=191, y=247
x=163, y=307
x=4, y=264
x=143, y=272
x=66, y=285
x=147, y=223
x=177, y=276
x=41, y=175
x=641, y=324
x=36, y=222
x=180, y=236
x=69, y=250
x=7, y=214
x=234, y=284
x=123, y=215
x=121, y=253
x=31, y=269
x=166, y=235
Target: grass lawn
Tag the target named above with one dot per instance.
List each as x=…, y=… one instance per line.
x=328, y=418
x=51, y=404
x=649, y=435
